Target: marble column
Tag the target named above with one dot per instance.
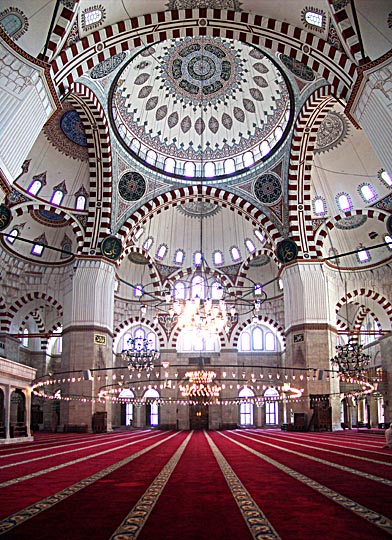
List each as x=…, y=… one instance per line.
x=87, y=340
x=310, y=332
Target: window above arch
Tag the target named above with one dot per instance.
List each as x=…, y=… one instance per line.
x=179, y=256
x=218, y=258
x=162, y=250
x=192, y=341
x=148, y=243
x=235, y=254
x=250, y=245
x=385, y=177
x=14, y=22
x=314, y=19
x=258, y=338
x=93, y=17
x=35, y=187
x=367, y=192
x=319, y=206
x=344, y=202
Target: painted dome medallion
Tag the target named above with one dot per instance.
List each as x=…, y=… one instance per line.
x=201, y=107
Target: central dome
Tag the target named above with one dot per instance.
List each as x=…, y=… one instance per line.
x=201, y=107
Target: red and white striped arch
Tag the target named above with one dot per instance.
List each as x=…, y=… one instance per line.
x=273, y=35
x=100, y=160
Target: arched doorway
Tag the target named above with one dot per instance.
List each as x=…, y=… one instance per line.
x=18, y=414
x=198, y=416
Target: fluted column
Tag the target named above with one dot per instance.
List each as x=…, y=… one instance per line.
x=87, y=337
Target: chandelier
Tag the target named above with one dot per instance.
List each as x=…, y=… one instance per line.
x=200, y=385
x=350, y=359
x=140, y=354
x=205, y=306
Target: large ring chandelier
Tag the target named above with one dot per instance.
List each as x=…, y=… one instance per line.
x=201, y=385
x=140, y=354
x=350, y=359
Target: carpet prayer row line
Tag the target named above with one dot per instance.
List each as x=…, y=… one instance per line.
x=155, y=484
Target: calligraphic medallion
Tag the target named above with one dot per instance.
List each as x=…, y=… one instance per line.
x=287, y=251
x=5, y=216
x=111, y=248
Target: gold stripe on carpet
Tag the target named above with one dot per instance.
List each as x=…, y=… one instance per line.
x=44, y=504
x=259, y=526
x=350, y=470
x=69, y=463
x=369, y=515
x=137, y=517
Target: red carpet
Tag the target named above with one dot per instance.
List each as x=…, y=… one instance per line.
x=215, y=485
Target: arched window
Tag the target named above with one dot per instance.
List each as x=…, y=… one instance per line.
x=259, y=235
x=135, y=146
x=170, y=165
x=250, y=245
x=193, y=341
x=198, y=287
x=257, y=338
x=385, y=177
x=248, y=159
x=271, y=406
x=127, y=393
x=25, y=338
x=14, y=22
x=140, y=333
x=314, y=18
x=11, y=237
x=217, y=290
x=57, y=197
x=319, y=206
x=80, y=202
x=278, y=133
x=265, y=148
x=209, y=169
x=197, y=258
x=367, y=192
x=344, y=202
x=229, y=166
x=151, y=396
x=138, y=233
x=148, y=243
x=270, y=344
x=35, y=187
x=235, y=253
x=246, y=407
x=161, y=251
x=179, y=290
x=151, y=157
x=189, y=169
x=179, y=256
x=218, y=258
x=93, y=17
x=245, y=342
